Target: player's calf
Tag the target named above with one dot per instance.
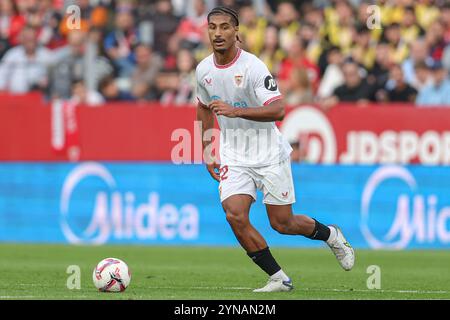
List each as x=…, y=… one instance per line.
x=293, y=225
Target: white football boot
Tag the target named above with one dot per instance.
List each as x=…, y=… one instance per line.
x=342, y=249
x=276, y=285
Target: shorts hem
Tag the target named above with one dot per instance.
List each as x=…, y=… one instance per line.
x=236, y=193
x=278, y=203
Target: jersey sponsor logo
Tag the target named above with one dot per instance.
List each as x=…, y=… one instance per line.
x=238, y=80
x=236, y=104
x=270, y=83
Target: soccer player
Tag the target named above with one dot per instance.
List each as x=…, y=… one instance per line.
x=238, y=88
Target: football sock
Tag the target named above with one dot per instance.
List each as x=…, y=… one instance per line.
x=280, y=274
x=321, y=232
x=333, y=234
x=264, y=259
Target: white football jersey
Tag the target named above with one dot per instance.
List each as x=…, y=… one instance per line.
x=245, y=82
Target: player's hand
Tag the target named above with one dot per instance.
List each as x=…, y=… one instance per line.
x=221, y=108
x=213, y=169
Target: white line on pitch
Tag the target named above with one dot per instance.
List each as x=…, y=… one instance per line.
x=311, y=289
x=379, y=290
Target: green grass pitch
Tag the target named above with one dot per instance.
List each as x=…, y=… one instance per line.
x=39, y=272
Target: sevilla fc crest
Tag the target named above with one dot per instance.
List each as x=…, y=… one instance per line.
x=238, y=80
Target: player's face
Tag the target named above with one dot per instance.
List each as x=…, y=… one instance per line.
x=222, y=32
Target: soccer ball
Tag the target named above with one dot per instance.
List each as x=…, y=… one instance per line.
x=111, y=275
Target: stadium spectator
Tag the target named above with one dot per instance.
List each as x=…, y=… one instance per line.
x=70, y=62
x=438, y=93
x=170, y=58
x=48, y=21
x=340, y=25
x=398, y=48
x=310, y=37
x=418, y=54
x=365, y=19
x=11, y=23
x=84, y=96
x=296, y=58
x=96, y=36
x=24, y=67
x=178, y=88
x=120, y=42
x=333, y=76
x=426, y=13
x=164, y=23
x=143, y=78
x=190, y=29
x=355, y=87
x=271, y=53
x=434, y=38
x=300, y=91
x=229, y=3
x=111, y=92
x=423, y=74
x=252, y=29
x=379, y=74
x=286, y=19
x=446, y=57
x=397, y=90
x=409, y=28
x=445, y=20
x=314, y=17
x=204, y=49
x=386, y=9
x=363, y=50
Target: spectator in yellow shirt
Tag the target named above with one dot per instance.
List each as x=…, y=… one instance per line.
x=398, y=48
x=286, y=18
x=363, y=50
x=311, y=40
x=252, y=29
x=271, y=53
x=340, y=26
x=426, y=13
x=410, y=29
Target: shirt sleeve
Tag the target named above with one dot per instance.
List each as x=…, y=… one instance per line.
x=266, y=88
x=202, y=94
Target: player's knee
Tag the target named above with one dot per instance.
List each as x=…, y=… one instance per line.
x=281, y=226
x=236, y=220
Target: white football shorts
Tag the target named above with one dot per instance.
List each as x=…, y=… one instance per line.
x=275, y=182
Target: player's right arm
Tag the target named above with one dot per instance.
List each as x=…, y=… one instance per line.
x=205, y=118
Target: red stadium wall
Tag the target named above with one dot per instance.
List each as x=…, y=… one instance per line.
x=130, y=131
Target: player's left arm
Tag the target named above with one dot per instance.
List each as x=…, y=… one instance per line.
x=273, y=111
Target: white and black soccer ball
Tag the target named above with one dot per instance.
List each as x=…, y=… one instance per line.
x=111, y=275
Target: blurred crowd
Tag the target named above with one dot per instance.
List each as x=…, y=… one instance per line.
x=321, y=51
